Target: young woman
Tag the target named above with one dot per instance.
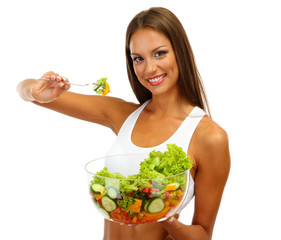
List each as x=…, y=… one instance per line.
x=172, y=109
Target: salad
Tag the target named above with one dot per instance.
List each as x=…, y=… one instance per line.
x=148, y=196
x=102, y=87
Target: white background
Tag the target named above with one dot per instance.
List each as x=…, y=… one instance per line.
x=43, y=184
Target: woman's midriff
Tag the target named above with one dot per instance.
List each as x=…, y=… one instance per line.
x=115, y=231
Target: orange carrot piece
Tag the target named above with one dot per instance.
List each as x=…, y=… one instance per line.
x=106, y=90
x=157, y=215
x=98, y=195
x=179, y=193
x=136, y=206
x=135, y=218
x=171, y=188
x=173, y=202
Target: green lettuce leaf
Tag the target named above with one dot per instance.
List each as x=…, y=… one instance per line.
x=158, y=165
x=126, y=202
x=100, y=85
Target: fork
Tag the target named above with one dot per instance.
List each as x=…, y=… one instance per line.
x=76, y=84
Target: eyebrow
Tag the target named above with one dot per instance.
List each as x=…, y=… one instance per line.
x=152, y=50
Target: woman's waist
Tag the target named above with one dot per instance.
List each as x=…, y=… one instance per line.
x=116, y=231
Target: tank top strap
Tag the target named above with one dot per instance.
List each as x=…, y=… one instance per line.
x=185, y=132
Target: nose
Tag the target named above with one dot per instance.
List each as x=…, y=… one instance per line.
x=150, y=67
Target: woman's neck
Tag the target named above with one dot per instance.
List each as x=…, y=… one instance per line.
x=172, y=105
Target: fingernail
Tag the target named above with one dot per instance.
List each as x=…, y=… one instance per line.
x=61, y=84
x=171, y=219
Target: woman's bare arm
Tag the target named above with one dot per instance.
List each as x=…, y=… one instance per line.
x=107, y=111
x=211, y=152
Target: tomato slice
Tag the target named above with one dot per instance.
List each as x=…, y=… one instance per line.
x=119, y=215
x=146, y=190
x=129, y=194
x=116, y=215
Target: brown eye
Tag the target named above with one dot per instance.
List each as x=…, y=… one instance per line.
x=160, y=53
x=137, y=59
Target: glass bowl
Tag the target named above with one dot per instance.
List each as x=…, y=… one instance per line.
x=134, y=201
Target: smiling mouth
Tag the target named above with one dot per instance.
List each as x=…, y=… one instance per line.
x=157, y=79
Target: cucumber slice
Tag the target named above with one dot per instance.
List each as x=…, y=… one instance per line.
x=156, y=205
x=112, y=192
x=108, y=204
x=178, y=186
x=104, y=213
x=146, y=205
x=97, y=188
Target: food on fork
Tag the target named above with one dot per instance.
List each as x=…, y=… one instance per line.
x=102, y=87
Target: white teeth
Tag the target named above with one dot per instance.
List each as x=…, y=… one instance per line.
x=156, y=79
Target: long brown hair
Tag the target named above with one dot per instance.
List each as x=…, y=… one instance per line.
x=165, y=22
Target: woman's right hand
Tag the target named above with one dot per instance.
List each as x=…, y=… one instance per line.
x=43, y=91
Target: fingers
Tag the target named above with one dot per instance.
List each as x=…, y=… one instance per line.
x=57, y=91
x=54, y=76
x=59, y=78
x=65, y=86
x=47, y=75
x=60, y=82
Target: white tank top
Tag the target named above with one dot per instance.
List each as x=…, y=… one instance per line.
x=181, y=137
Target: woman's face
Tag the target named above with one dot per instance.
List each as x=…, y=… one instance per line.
x=154, y=61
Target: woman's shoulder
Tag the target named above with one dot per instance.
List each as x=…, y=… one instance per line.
x=122, y=104
x=119, y=110
x=210, y=140
x=210, y=132
x=123, y=108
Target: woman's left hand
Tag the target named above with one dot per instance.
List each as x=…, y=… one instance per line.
x=178, y=230
x=172, y=224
